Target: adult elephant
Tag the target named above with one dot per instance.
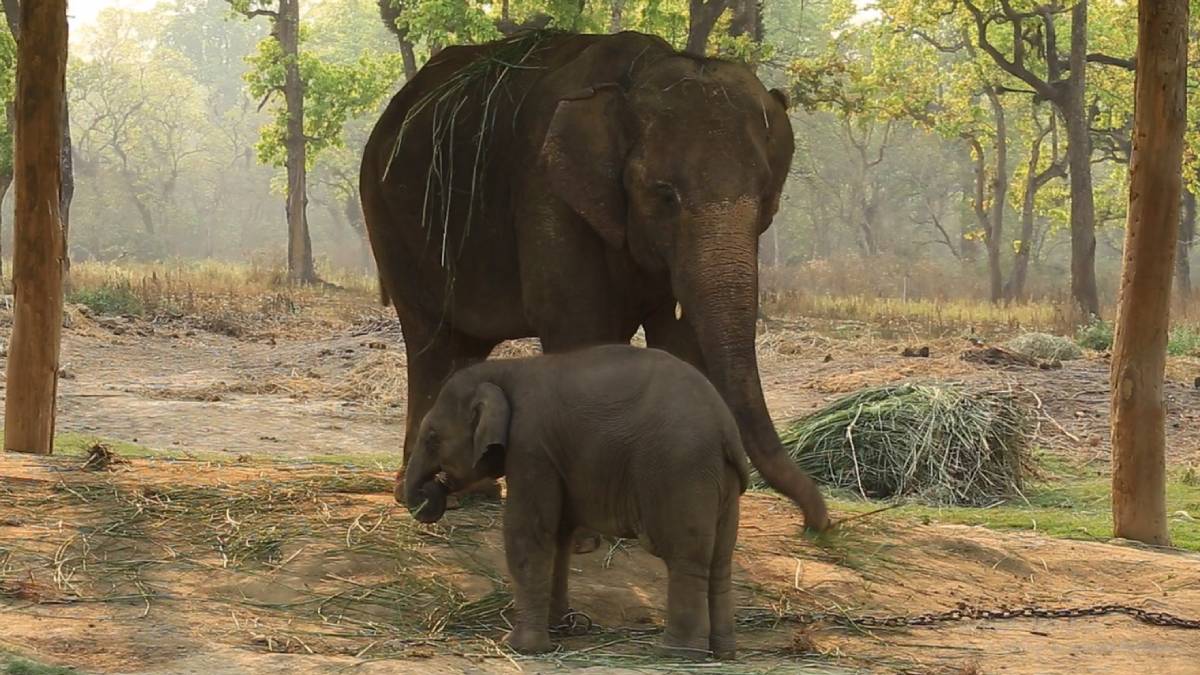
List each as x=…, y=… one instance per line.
x=573, y=188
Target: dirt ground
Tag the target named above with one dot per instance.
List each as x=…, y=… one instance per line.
x=163, y=566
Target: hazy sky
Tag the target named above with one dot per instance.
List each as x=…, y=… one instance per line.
x=81, y=12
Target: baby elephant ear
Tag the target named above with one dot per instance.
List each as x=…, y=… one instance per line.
x=490, y=416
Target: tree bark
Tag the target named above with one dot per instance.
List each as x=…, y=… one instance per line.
x=1151, y=239
x=1187, y=236
x=994, y=226
x=389, y=12
x=616, y=16
x=1079, y=158
x=38, y=264
x=702, y=17
x=300, y=257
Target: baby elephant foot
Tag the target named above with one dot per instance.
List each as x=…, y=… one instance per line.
x=724, y=647
x=586, y=542
x=528, y=641
x=674, y=648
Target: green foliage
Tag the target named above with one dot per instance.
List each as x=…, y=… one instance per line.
x=334, y=92
x=1184, y=341
x=116, y=298
x=8, y=87
x=1096, y=335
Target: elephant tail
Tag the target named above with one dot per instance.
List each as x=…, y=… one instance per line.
x=383, y=294
x=735, y=454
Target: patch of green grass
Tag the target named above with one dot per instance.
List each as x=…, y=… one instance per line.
x=15, y=665
x=117, y=297
x=1184, y=341
x=1070, y=507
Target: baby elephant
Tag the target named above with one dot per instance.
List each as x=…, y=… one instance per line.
x=616, y=439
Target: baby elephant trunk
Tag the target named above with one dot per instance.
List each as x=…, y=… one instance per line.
x=430, y=502
x=420, y=490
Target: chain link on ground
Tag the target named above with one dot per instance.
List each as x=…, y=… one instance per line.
x=576, y=623
x=965, y=612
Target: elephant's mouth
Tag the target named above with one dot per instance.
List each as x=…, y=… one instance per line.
x=431, y=503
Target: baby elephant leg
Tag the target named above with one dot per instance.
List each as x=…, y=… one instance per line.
x=689, y=558
x=531, y=541
x=720, y=586
x=559, y=602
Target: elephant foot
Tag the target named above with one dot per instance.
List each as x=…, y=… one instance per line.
x=586, y=542
x=559, y=609
x=527, y=641
x=675, y=648
x=724, y=647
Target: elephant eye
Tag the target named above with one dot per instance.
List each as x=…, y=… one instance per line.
x=666, y=193
x=432, y=440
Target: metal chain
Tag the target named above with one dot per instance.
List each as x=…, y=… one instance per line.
x=577, y=623
x=964, y=612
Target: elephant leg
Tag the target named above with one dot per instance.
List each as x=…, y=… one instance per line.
x=686, y=544
x=433, y=354
x=560, y=603
x=665, y=332
x=720, y=585
x=531, y=542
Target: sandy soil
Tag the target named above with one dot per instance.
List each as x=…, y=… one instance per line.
x=78, y=587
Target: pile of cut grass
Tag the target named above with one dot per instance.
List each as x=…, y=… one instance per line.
x=1045, y=347
x=938, y=444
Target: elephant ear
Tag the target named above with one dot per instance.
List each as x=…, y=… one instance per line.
x=490, y=414
x=584, y=156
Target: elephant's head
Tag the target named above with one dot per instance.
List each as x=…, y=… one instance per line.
x=462, y=441
x=681, y=161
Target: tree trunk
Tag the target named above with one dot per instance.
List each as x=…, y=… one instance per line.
x=300, y=258
x=1079, y=157
x=5, y=182
x=995, y=226
x=1015, y=289
x=1187, y=235
x=389, y=12
x=746, y=19
x=702, y=17
x=67, y=192
x=38, y=233
x=1151, y=239
x=616, y=16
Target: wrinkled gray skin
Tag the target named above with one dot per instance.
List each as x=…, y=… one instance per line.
x=619, y=179
x=616, y=439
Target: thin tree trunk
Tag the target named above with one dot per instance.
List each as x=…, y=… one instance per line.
x=1015, y=289
x=1187, y=236
x=995, y=225
x=38, y=264
x=1151, y=239
x=410, y=59
x=616, y=16
x=300, y=257
x=5, y=182
x=702, y=17
x=1079, y=157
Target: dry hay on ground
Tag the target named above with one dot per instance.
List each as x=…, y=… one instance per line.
x=153, y=566
x=938, y=443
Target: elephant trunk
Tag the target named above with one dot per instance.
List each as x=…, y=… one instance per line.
x=424, y=495
x=716, y=281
